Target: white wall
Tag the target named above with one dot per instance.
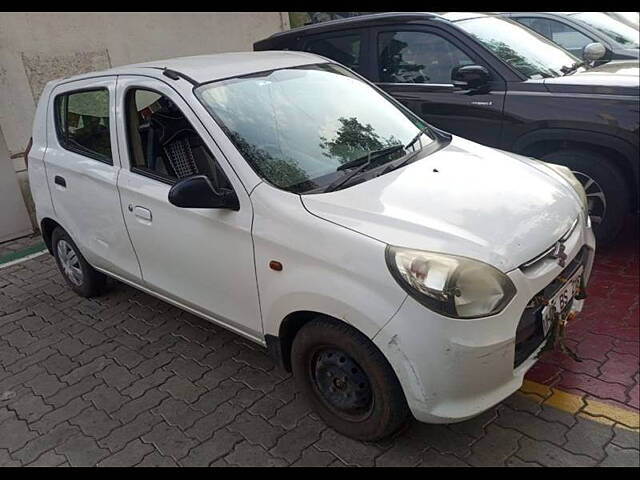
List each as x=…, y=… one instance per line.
x=38, y=47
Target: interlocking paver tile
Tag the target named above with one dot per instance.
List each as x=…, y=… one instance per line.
x=131, y=454
x=588, y=438
x=256, y=430
x=154, y=459
x=94, y=423
x=45, y=442
x=82, y=451
x=15, y=434
x=433, y=458
x=182, y=388
x=532, y=426
x=246, y=454
x=221, y=416
x=350, y=451
x=620, y=457
x=170, y=441
x=120, y=436
x=177, y=413
x=146, y=402
x=59, y=415
x=550, y=455
x=495, y=447
x=626, y=438
x=211, y=450
x=106, y=398
x=312, y=457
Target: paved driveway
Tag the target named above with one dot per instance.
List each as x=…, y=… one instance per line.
x=125, y=379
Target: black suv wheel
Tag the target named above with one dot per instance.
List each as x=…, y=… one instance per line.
x=606, y=190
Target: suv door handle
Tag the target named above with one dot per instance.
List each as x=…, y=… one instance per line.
x=58, y=180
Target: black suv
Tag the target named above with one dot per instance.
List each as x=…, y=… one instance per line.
x=491, y=80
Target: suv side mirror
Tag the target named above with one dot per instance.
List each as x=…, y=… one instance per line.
x=593, y=51
x=199, y=192
x=470, y=76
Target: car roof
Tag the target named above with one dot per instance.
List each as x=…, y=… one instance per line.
x=208, y=68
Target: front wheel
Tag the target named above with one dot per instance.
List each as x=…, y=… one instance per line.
x=606, y=190
x=347, y=380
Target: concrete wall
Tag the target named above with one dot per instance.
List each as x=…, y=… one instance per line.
x=38, y=47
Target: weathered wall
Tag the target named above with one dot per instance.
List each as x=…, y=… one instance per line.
x=38, y=47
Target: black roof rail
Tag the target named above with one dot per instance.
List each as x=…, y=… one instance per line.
x=176, y=75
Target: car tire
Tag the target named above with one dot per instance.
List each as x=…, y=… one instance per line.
x=83, y=279
x=604, y=179
x=367, y=402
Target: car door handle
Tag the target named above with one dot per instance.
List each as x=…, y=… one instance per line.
x=58, y=180
x=142, y=213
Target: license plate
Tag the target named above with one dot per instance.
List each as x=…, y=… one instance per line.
x=561, y=300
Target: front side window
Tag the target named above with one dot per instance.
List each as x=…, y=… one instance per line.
x=564, y=35
x=344, y=49
x=417, y=57
x=162, y=142
x=297, y=126
x=82, y=123
x=526, y=51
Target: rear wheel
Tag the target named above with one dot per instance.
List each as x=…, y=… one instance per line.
x=79, y=275
x=347, y=380
x=606, y=190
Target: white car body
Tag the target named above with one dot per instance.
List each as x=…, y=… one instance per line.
x=465, y=199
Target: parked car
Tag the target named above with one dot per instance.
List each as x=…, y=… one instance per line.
x=498, y=83
x=393, y=267
x=573, y=31
x=629, y=18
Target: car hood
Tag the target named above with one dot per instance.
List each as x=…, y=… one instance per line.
x=465, y=199
x=614, y=78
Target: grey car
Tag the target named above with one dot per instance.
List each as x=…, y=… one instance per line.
x=575, y=30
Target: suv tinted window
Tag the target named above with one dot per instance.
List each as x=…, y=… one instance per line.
x=82, y=123
x=417, y=57
x=344, y=49
x=558, y=32
x=162, y=142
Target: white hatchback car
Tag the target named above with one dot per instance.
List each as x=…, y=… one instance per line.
x=393, y=267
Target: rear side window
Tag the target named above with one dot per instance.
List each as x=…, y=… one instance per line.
x=344, y=49
x=564, y=35
x=82, y=123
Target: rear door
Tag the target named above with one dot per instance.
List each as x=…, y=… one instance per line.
x=82, y=166
x=414, y=64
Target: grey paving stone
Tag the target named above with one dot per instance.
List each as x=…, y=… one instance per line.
x=49, y=459
x=256, y=379
x=26, y=361
x=440, y=437
x=589, y=438
x=221, y=416
x=290, y=414
x=246, y=397
x=135, y=407
x=495, y=447
x=349, y=451
x=65, y=395
x=152, y=380
x=182, y=389
x=154, y=459
x=211, y=450
x=532, y=426
x=132, y=454
x=311, y=457
x=433, y=458
x=213, y=398
x=219, y=373
x=14, y=434
x=246, y=455
x=187, y=368
x=514, y=461
x=625, y=438
x=6, y=460
x=86, y=370
x=59, y=415
x=30, y=407
x=94, y=422
x=177, y=413
x=106, y=398
x=475, y=427
x=551, y=455
x=290, y=445
x=404, y=452
x=59, y=365
x=117, y=376
x=82, y=451
x=45, y=384
x=169, y=441
x=266, y=407
x=620, y=457
x=120, y=436
x=45, y=442
x=256, y=430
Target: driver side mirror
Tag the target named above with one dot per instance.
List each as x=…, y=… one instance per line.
x=470, y=77
x=593, y=52
x=199, y=192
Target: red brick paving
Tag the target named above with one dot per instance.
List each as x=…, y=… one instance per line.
x=605, y=335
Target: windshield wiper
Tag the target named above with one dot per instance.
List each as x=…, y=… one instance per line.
x=415, y=139
x=360, y=163
x=567, y=70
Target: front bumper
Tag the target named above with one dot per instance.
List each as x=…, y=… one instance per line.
x=451, y=370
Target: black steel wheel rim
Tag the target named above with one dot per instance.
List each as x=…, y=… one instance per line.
x=341, y=383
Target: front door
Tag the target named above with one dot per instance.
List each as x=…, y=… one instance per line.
x=414, y=64
x=200, y=258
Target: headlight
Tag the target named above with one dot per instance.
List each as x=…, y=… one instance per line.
x=453, y=286
x=568, y=175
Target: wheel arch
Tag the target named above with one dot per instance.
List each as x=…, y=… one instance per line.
x=47, y=226
x=618, y=152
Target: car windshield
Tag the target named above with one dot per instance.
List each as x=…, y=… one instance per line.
x=529, y=53
x=623, y=34
x=296, y=126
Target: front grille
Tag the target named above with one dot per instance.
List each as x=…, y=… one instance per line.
x=530, y=334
